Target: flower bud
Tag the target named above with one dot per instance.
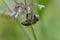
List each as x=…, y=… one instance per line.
x=12, y=13
x=20, y=10
x=28, y=9
x=41, y=6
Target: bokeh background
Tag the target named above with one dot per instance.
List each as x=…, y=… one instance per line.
x=48, y=28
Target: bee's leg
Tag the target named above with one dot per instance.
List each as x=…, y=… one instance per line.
x=27, y=22
x=27, y=16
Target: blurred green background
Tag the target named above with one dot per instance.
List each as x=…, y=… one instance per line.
x=48, y=28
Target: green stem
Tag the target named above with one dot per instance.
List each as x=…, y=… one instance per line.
x=33, y=33
x=33, y=29
x=31, y=25
x=6, y=5
x=25, y=2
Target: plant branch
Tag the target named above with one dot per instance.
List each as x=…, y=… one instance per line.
x=25, y=2
x=33, y=29
x=33, y=32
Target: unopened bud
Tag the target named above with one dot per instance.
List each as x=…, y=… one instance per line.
x=7, y=13
x=19, y=12
x=41, y=6
x=28, y=9
x=16, y=15
x=12, y=13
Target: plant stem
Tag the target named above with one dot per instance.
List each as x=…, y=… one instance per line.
x=33, y=33
x=31, y=25
x=25, y=2
x=33, y=29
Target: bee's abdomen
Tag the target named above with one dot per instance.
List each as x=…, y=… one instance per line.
x=26, y=23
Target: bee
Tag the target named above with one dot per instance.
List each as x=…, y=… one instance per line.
x=30, y=19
